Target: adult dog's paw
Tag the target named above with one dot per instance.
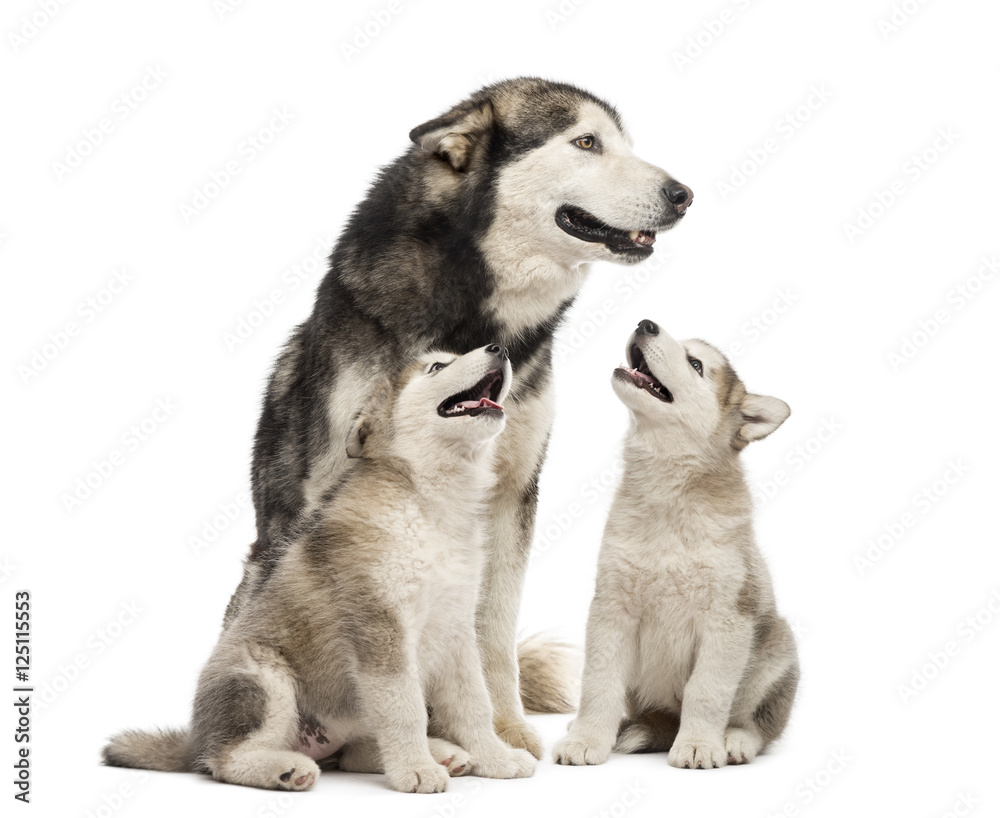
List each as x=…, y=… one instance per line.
x=429, y=777
x=697, y=754
x=521, y=736
x=579, y=750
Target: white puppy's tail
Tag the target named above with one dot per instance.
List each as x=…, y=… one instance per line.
x=165, y=750
x=550, y=675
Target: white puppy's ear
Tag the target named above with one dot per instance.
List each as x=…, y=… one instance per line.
x=359, y=433
x=456, y=135
x=761, y=416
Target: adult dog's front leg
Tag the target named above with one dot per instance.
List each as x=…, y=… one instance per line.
x=511, y=525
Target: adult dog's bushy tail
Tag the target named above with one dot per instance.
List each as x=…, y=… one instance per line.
x=550, y=673
x=165, y=750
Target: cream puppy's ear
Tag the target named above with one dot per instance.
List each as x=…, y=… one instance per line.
x=358, y=436
x=761, y=416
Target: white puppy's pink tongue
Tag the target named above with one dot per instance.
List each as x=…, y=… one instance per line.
x=643, y=376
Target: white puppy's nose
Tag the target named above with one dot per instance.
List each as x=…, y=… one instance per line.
x=647, y=327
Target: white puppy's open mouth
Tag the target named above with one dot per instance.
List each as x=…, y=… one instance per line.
x=480, y=399
x=585, y=226
x=639, y=374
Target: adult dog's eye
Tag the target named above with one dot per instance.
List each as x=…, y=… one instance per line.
x=697, y=366
x=586, y=142
x=436, y=367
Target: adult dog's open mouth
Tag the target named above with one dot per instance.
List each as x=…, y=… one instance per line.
x=585, y=226
x=641, y=376
x=480, y=399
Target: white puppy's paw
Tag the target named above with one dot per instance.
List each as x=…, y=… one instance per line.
x=742, y=746
x=505, y=762
x=697, y=753
x=576, y=750
x=428, y=777
x=452, y=757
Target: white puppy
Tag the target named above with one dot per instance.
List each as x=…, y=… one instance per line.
x=685, y=650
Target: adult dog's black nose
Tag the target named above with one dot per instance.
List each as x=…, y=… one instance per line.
x=499, y=351
x=647, y=327
x=680, y=196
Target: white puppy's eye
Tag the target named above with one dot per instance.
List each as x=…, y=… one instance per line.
x=436, y=367
x=588, y=142
x=696, y=365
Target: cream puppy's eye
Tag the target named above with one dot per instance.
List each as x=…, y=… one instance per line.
x=436, y=367
x=696, y=365
x=587, y=142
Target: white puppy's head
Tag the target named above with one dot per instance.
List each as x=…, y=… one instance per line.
x=441, y=404
x=689, y=389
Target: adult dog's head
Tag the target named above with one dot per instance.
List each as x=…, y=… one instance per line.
x=563, y=182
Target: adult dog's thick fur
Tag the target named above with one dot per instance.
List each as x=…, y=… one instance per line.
x=482, y=231
x=685, y=651
x=369, y=616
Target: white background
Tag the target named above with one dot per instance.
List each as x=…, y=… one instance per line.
x=863, y=631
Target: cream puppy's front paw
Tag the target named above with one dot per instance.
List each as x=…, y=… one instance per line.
x=520, y=735
x=697, y=753
x=577, y=750
x=429, y=777
x=452, y=757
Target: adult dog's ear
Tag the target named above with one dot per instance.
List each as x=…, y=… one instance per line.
x=358, y=435
x=761, y=416
x=459, y=135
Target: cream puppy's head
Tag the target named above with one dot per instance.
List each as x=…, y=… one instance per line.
x=440, y=403
x=688, y=390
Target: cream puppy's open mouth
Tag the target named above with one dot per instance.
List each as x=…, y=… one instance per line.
x=478, y=400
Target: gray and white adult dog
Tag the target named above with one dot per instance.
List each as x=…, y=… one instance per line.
x=369, y=616
x=481, y=232
x=685, y=649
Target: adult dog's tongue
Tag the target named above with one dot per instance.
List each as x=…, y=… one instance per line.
x=482, y=403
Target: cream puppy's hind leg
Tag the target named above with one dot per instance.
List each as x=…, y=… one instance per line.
x=610, y=658
x=244, y=722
